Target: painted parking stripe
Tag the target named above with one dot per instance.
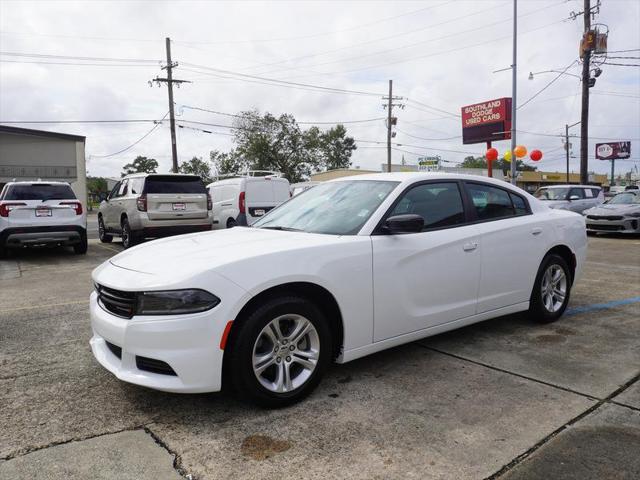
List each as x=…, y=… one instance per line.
x=602, y=306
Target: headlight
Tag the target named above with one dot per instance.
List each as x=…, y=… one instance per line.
x=174, y=302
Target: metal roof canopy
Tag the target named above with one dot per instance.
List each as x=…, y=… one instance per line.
x=41, y=133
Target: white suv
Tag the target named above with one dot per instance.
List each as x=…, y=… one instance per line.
x=149, y=205
x=39, y=213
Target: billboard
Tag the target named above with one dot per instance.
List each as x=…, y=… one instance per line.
x=487, y=121
x=613, y=150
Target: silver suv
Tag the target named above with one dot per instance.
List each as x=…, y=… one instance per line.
x=576, y=198
x=144, y=205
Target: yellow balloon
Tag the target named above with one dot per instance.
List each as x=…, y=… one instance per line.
x=520, y=151
x=507, y=156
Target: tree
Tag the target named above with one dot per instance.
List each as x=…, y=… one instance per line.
x=333, y=147
x=140, y=165
x=500, y=164
x=224, y=163
x=96, y=186
x=197, y=166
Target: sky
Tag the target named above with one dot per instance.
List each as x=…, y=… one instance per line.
x=93, y=60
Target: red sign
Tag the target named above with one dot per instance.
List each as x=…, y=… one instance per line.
x=486, y=121
x=613, y=150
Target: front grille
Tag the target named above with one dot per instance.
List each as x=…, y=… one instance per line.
x=604, y=217
x=154, y=366
x=118, y=302
x=609, y=228
x=116, y=350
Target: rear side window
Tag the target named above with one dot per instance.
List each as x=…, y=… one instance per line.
x=439, y=204
x=519, y=204
x=40, y=191
x=490, y=202
x=174, y=184
x=576, y=192
x=596, y=191
x=588, y=193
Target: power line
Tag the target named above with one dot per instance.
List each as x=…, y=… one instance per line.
x=136, y=142
x=428, y=139
x=621, y=64
x=439, y=110
x=299, y=123
x=547, y=85
x=73, y=57
x=78, y=64
x=12, y=122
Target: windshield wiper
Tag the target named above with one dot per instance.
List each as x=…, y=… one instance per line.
x=286, y=229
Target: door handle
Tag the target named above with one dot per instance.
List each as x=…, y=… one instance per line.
x=226, y=204
x=536, y=231
x=470, y=247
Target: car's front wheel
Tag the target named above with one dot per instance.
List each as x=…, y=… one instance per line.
x=279, y=352
x=551, y=290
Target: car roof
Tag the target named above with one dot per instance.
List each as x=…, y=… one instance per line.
x=570, y=186
x=411, y=177
x=170, y=174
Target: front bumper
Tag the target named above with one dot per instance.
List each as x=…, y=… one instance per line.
x=189, y=344
x=626, y=225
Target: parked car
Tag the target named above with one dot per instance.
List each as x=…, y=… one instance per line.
x=621, y=214
x=243, y=200
x=575, y=198
x=298, y=188
x=41, y=213
x=351, y=267
x=144, y=205
x=631, y=187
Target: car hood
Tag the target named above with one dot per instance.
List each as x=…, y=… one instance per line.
x=608, y=209
x=185, y=255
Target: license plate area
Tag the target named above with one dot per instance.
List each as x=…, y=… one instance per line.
x=43, y=212
x=258, y=212
x=179, y=207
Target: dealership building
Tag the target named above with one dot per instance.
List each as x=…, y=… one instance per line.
x=27, y=154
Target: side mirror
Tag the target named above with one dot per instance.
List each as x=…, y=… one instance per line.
x=409, y=223
x=574, y=197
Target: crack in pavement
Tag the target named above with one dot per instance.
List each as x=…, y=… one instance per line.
x=177, y=459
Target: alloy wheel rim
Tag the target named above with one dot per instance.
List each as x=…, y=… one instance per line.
x=125, y=235
x=100, y=228
x=286, y=353
x=553, y=288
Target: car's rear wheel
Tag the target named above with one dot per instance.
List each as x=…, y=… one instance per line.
x=81, y=248
x=279, y=352
x=231, y=223
x=551, y=290
x=102, y=232
x=128, y=237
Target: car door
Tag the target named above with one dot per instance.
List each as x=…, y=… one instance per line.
x=108, y=208
x=428, y=278
x=512, y=242
x=577, y=201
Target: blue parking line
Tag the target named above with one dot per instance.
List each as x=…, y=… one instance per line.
x=601, y=306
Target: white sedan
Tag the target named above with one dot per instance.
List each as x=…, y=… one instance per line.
x=345, y=269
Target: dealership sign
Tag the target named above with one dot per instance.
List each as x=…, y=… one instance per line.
x=487, y=121
x=613, y=150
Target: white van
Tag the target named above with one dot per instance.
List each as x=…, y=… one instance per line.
x=244, y=199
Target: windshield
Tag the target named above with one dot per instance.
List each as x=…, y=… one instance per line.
x=40, y=191
x=336, y=208
x=552, y=193
x=625, y=199
x=174, y=184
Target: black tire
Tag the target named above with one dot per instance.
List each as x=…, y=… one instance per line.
x=102, y=232
x=129, y=239
x=3, y=251
x=81, y=248
x=244, y=335
x=231, y=223
x=538, y=312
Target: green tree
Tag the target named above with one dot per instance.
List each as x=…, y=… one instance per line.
x=500, y=164
x=140, y=165
x=96, y=185
x=225, y=163
x=197, y=166
x=333, y=147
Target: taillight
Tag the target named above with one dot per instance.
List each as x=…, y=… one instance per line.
x=141, y=203
x=209, y=202
x=5, y=208
x=77, y=206
x=241, y=205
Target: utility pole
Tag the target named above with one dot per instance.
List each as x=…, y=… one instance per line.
x=613, y=163
x=514, y=174
x=389, y=108
x=391, y=120
x=584, y=126
x=172, y=120
x=567, y=145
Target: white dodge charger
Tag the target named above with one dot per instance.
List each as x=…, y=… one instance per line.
x=345, y=269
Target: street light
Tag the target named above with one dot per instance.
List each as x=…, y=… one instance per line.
x=531, y=74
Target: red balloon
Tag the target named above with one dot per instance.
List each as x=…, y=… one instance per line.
x=535, y=155
x=492, y=154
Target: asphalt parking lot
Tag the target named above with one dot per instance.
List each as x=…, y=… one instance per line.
x=502, y=399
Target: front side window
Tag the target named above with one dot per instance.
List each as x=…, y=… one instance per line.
x=490, y=202
x=576, y=192
x=552, y=193
x=39, y=191
x=123, y=188
x=439, y=204
x=114, y=191
x=336, y=208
